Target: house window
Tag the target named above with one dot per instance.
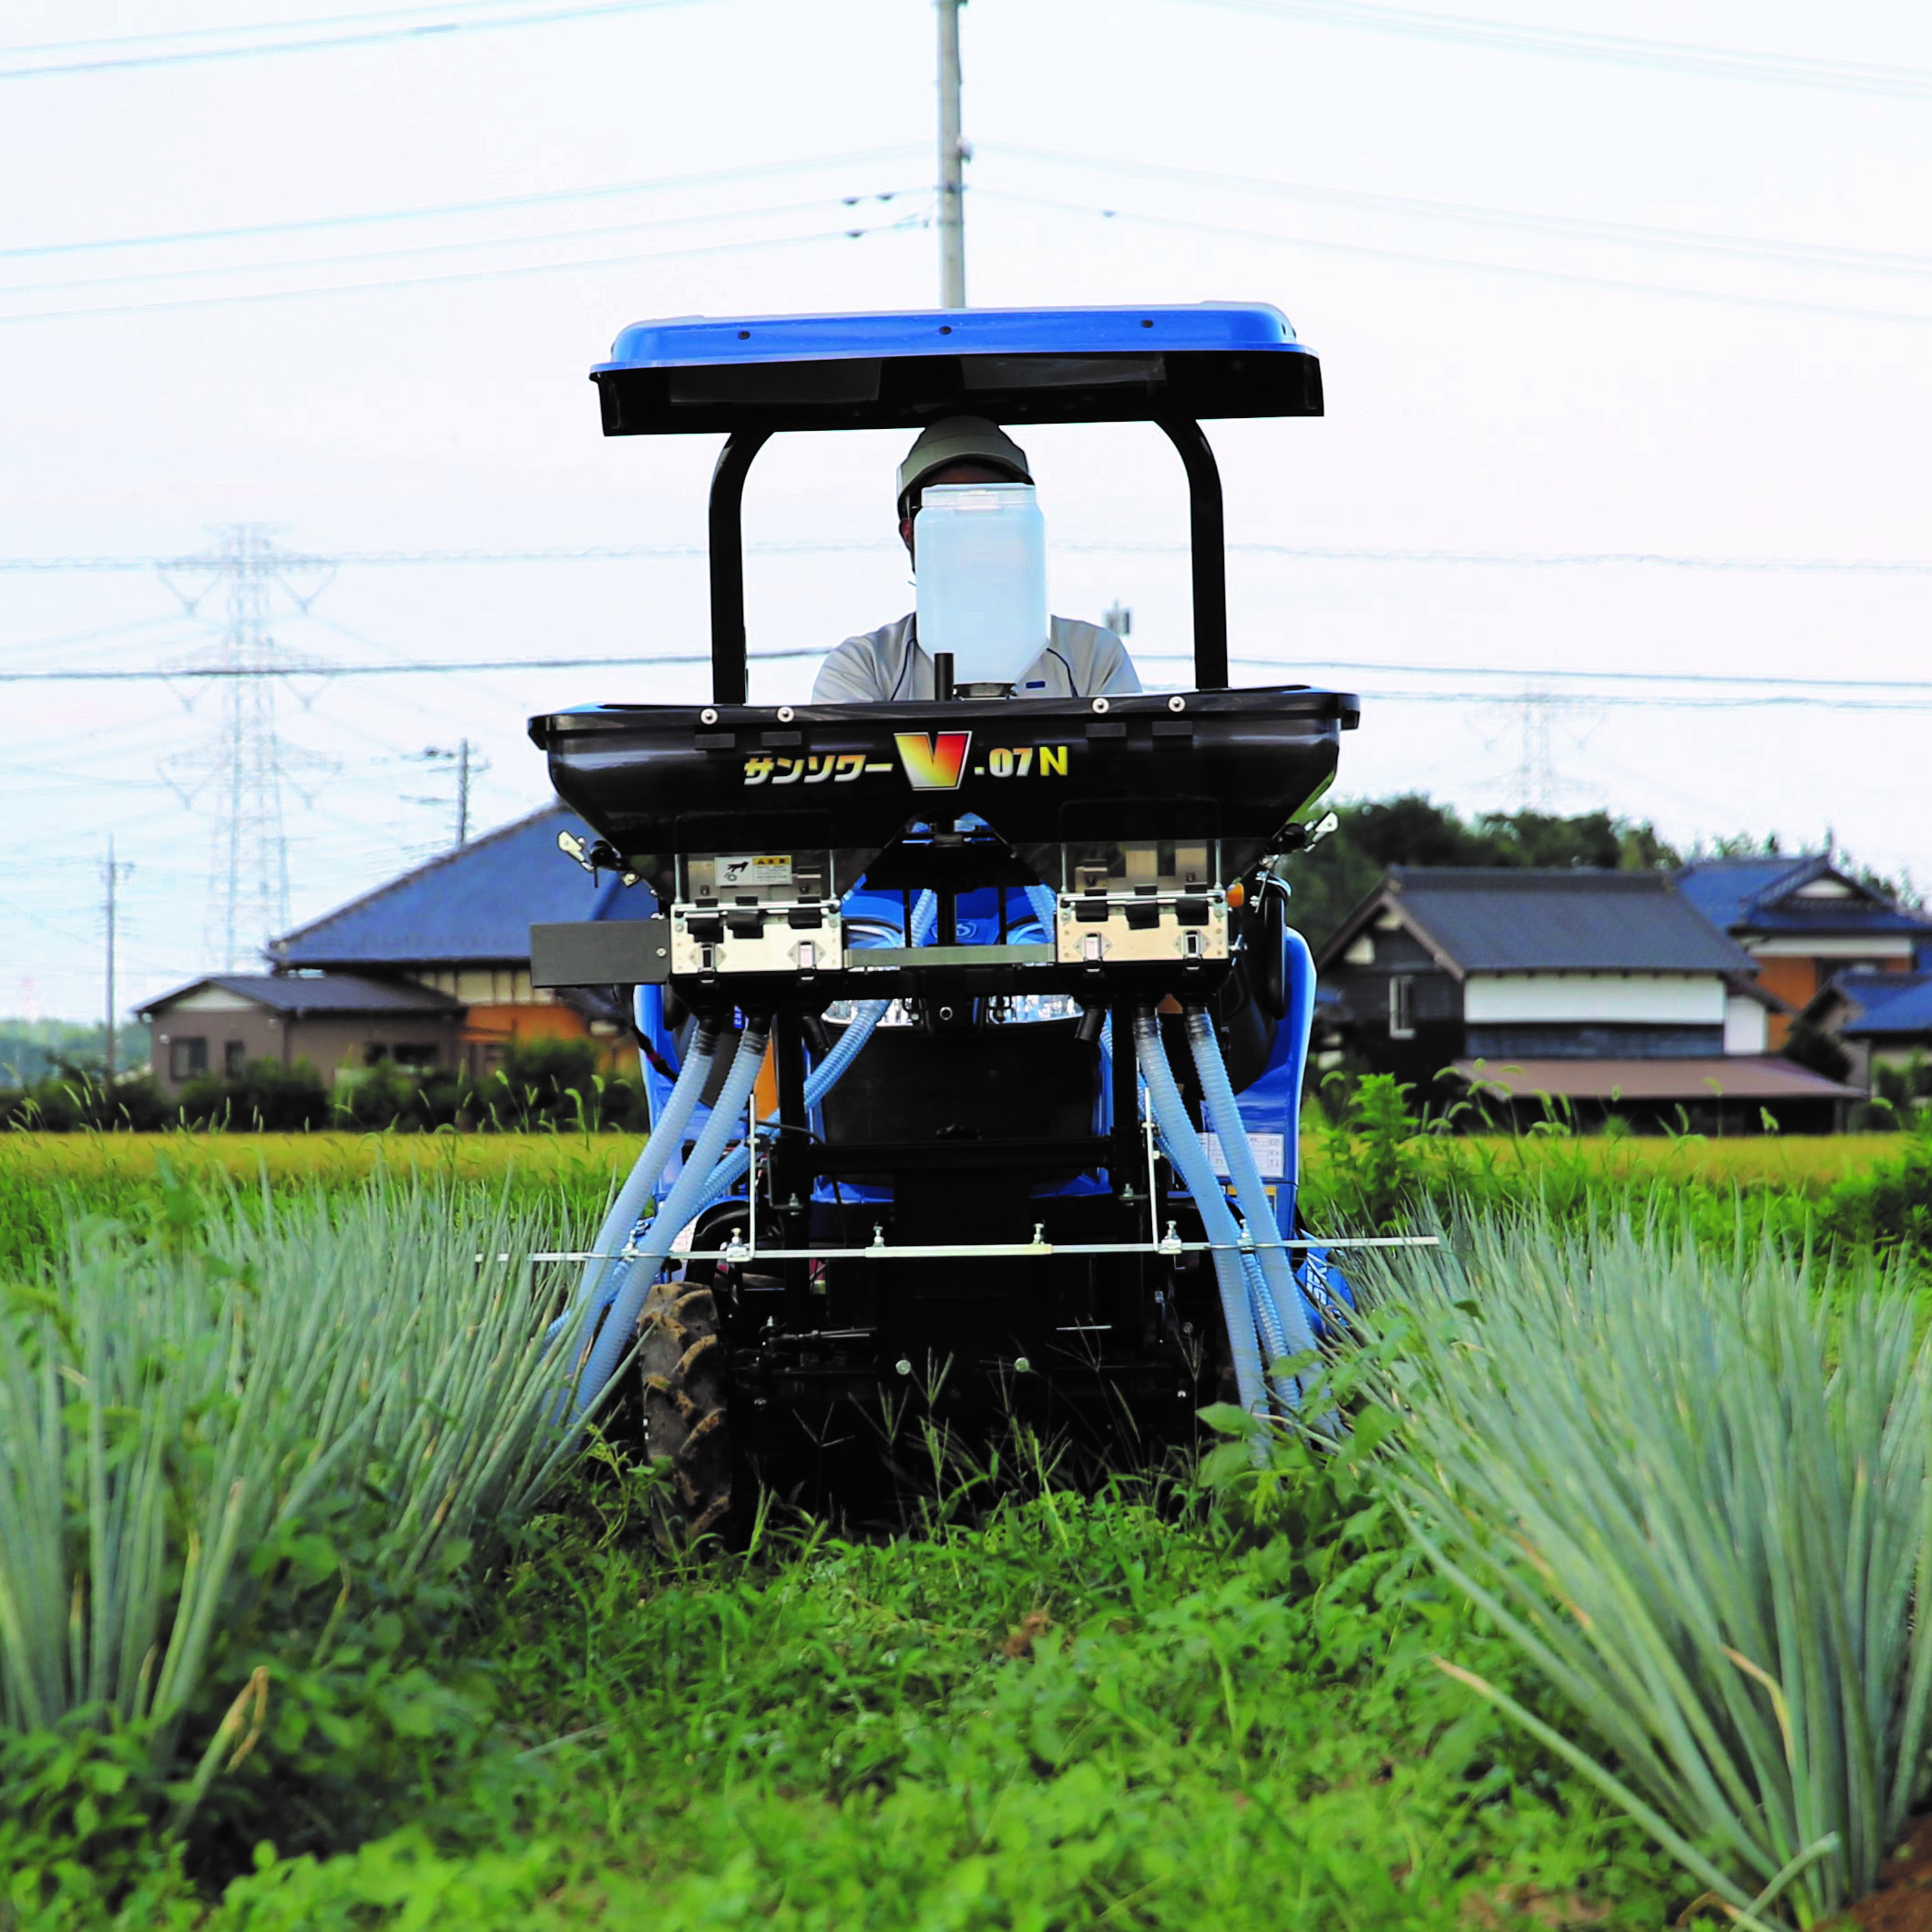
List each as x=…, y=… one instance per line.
x=413, y=1054
x=234, y=1059
x=186, y=1058
x=1402, y=1006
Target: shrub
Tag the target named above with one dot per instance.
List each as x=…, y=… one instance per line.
x=266, y=1098
x=75, y=1097
x=376, y=1098
x=1375, y=1163
x=1890, y=1206
x=555, y=1083
x=1823, y=1052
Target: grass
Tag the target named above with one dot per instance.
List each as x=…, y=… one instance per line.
x=50, y=1182
x=48, y=1179
x=1141, y=1709
x=429, y=1693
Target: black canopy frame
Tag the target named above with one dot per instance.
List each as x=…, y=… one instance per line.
x=730, y=673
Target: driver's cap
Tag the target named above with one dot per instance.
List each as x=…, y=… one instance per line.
x=960, y=439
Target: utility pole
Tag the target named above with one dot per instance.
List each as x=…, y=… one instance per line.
x=953, y=154
x=110, y=875
x=463, y=792
x=468, y=767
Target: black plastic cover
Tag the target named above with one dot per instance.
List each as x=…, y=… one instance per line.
x=660, y=781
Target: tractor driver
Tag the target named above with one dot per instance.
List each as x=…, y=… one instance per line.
x=1080, y=659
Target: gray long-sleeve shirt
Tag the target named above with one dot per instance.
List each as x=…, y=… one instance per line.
x=1080, y=660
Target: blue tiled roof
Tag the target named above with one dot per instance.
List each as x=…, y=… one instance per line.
x=1757, y=896
x=1523, y=921
x=1723, y=890
x=1887, y=1002
x=474, y=904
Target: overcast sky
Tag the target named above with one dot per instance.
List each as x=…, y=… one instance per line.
x=1674, y=344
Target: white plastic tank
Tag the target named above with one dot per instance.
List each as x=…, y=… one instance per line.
x=980, y=557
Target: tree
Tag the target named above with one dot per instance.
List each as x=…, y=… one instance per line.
x=1413, y=830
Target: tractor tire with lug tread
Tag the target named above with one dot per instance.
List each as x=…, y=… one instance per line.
x=682, y=1362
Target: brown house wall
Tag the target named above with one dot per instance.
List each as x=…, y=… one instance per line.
x=327, y=1041
x=259, y=1031
x=1795, y=980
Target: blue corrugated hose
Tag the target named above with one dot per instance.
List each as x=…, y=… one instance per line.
x=603, y=1274
x=620, y=1323
x=1294, y=1334
x=1185, y=1150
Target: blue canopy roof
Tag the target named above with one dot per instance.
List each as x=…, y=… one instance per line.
x=901, y=368
x=688, y=341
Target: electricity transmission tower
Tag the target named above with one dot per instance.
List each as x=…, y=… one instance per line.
x=242, y=768
x=1536, y=779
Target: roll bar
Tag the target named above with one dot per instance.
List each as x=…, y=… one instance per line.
x=731, y=681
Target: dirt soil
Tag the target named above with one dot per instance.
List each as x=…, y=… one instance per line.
x=1903, y=1902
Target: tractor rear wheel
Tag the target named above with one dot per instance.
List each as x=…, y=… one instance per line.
x=683, y=1368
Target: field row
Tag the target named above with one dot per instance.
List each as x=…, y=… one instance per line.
x=1807, y=1164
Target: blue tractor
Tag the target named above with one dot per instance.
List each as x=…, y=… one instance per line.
x=987, y=1024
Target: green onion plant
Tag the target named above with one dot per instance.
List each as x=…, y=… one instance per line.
x=173, y=1411
x=1695, y=1489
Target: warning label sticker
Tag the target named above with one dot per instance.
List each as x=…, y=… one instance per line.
x=1269, y=1154
x=753, y=871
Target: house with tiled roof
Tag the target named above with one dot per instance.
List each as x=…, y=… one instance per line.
x=1804, y=922
x=1878, y=1019
x=221, y=1023
x=1598, y=991
x=459, y=926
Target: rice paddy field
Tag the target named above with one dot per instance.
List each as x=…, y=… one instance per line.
x=1600, y=1601
x=46, y=1179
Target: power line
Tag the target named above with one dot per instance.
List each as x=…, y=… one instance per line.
x=374, y=35
x=661, y=184
x=548, y=239
x=1878, y=262
x=1772, y=693
x=1800, y=70
x=1747, y=690
x=418, y=22
x=168, y=37
x=1589, y=559
x=1300, y=553
x=181, y=673
x=1564, y=276
x=498, y=274
x=1618, y=676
